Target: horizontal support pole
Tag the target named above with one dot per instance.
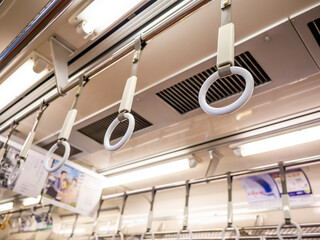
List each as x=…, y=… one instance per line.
x=266, y=168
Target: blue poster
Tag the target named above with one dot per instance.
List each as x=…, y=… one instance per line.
x=264, y=190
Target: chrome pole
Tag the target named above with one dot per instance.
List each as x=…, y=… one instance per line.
x=265, y=168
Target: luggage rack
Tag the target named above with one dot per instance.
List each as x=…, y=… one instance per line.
x=309, y=231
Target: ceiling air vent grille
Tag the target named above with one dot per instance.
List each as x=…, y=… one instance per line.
x=183, y=96
x=60, y=150
x=97, y=130
x=314, y=27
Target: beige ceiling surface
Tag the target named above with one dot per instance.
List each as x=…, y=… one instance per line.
x=177, y=48
x=262, y=108
x=27, y=9
x=188, y=42
x=15, y=16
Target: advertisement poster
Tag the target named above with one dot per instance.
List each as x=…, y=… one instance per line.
x=33, y=176
x=264, y=191
x=299, y=188
x=74, y=188
x=71, y=187
x=9, y=160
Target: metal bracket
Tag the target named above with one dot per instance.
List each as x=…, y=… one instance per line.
x=42, y=108
x=225, y=12
x=214, y=161
x=82, y=82
x=230, y=205
x=13, y=126
x=284, y=194
x=139, y=45
x=121, y=116
x=224, y=71
x=60, y=54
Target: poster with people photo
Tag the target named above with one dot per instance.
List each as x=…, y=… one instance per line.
x=64, y=185
x=74, y=188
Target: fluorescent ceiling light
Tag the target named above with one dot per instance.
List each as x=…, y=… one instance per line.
x=31, y=201
x=6, y=206
x=150, y=172
x=19, y=81
x=101, y=14
x=278, y=142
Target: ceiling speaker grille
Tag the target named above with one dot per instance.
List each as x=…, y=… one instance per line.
x=183, y=96
x=314, y=27
x=60, y=150
x=97, y=130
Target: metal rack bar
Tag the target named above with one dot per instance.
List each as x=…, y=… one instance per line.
x=146, y=36
x=24, y=210
x=270, y=167
x=241, y=229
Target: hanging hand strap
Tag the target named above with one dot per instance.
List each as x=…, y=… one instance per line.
x=29, y=140
x=286, y=205
x=18, y=167
x=4, y=223
x=13, y=126
x=230, y=210
x=126, y=102
x=225, y=65
x=65, y=132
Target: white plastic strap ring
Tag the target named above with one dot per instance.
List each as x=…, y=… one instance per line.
x=14, y=175
x=188, y=230
x=47, y=163
x=142, y=235
x=126, y=136
x=299, y=235
x=235, y=229
x=233, y=106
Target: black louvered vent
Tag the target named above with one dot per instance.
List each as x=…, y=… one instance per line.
x=183, y=96
x=314, y=27
x=60, y=150
x=98, y=129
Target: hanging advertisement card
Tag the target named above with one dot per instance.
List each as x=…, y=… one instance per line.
x=74, y=188
x=264, y=190
x=33, y=176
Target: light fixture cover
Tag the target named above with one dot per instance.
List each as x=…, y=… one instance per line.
x=6, y=206
x=278, y=142
x=149, y=172
x=22, y=79
x=30, y=201
x=99, y=15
